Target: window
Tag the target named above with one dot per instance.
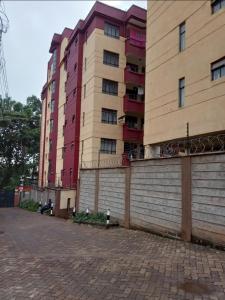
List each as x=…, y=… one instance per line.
x=108, y=146
x=75, y=67
x=52, y=105
x=73, y=118
x=181, y=92
x=53, y=86
x=54, y=61
x=74, y=91
x=111, y=58
x=50, y=145
x=49, y=166
x=112, y=30
x=110, y=87
x=85, y=64
x=182, y=31
x=217, y=5
x=71, y=146
x=218, y=69
x=83, y=118
x=109, y=116
x=84, y=90
x=51, y=124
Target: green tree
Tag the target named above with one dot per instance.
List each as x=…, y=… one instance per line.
x=19, y=135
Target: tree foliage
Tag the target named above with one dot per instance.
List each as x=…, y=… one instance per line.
x=19, y=136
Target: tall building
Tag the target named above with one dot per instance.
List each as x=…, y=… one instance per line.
x=185, y=77
x=93, y=101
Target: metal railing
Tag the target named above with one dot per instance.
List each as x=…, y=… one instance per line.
x=191, y=146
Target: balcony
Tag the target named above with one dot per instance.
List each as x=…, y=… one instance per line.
x=133, y=105
x=132, y=134
x=135, y=48
x=134, y=77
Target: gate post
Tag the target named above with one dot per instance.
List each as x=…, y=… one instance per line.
x=186, y=229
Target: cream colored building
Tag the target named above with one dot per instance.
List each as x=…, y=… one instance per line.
x=185, y=71
x=109, y=50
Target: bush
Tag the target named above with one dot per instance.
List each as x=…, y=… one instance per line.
x=29, y=205
x=97, y=218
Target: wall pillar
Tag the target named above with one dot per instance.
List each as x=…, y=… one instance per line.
x=186, y=229
x=96, y=190
x=77, y=201
x=127, y=197
x=152, y=151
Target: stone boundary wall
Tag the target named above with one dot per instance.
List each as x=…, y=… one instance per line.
x=182, y=196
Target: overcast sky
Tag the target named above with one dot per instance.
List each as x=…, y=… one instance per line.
x=26, y=44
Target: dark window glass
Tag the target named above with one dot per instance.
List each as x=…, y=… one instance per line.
x=108, y=146
x=111, y=58
x=181, y=92
x=50, y=145
x=54, y=58
x=112, y=30
x=53, y=86
x=52, y=105
x=110, y=87
x=218, y=69
x=51, y=124
x=217, y=5
x=182, y=31
x=109, y=116
x=85, y=91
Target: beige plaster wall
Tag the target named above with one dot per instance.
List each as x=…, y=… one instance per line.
x=41, y=142
x=92, y=130
x=61, y=115
x=204, y=107
x=64, y=195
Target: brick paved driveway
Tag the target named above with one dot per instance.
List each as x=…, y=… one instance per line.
x=49, y=258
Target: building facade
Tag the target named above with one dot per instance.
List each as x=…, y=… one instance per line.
x=93, y=101
x=185, y=77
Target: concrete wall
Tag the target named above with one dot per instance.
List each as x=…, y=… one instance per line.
x=155, y=198
x=204, y=106
x=162, y=195
x=87, y=190
x=208, y=197
x=112, y=192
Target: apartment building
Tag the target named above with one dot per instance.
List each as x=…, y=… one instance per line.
x=93, y=101
x=185, y=77
x=112, y=102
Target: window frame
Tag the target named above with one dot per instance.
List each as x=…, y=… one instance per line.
x=182, y=36
x=217, y=5
x=216, y=66
x=110, y=90
x=106, y=118
x=181, y=100
x=111, y=147
x=107, y=60
x=110, y=27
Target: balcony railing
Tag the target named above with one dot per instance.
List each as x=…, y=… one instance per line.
x=134, y=77
x=132, y=103
x=132, y=134
x=135, y=48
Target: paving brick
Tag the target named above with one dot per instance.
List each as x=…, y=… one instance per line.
x=46, y=258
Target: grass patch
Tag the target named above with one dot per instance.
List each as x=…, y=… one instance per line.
x=29, y=205
x=95, y=218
